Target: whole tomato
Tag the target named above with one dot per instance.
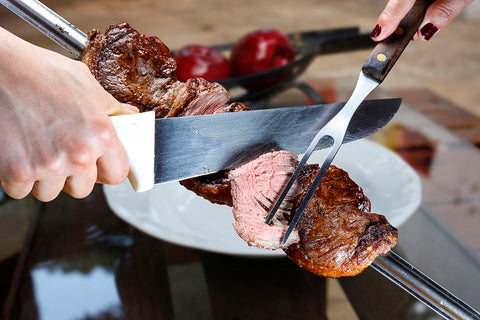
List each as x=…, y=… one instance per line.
x=198, y=61
x=259, y=51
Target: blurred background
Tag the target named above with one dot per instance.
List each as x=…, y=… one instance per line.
x=448, y=65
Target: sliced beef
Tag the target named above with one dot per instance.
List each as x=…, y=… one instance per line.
x=134, y=68
x=338, y=234
x=255, y=188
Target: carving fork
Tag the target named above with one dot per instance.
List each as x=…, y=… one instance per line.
x=374, y=71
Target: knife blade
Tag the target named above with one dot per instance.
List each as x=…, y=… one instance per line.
x=169, y=149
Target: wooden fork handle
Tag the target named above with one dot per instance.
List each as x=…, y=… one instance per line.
x=386, y=52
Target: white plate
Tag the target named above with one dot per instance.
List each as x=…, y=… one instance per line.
x=172, y=213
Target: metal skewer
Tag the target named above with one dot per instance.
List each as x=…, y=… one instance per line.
x=50, y=24
x=420, y=286
x=391, y=265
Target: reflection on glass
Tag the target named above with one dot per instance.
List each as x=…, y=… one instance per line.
x=3, y=196
x=410, y=144
x=75, y=295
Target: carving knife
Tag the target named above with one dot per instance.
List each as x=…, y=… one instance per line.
x=162, y=150
x=168, y=149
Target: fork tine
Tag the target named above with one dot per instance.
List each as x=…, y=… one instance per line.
x=335, y=129
x=312, y=188
x=295, y=175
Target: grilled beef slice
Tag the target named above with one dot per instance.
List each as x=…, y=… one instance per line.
x=134, y=68
x=336, y=236
x=140, y=70
x=255, y=188
x=214, y=187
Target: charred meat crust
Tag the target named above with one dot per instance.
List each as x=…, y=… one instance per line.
x=214, y=187
x=140, y=70
x=338, y=234
x=134, y=68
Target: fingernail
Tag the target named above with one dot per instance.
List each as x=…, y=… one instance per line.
x=376, y=31
x=428, y=31
x=130, y=107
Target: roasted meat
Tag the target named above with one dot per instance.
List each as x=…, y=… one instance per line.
x=134, y=68
x=214, y=187
x=140, y=70
x=336, y=236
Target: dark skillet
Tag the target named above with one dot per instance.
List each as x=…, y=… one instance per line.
x=308, y=44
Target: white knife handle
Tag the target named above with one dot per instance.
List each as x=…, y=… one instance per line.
x=137, y=134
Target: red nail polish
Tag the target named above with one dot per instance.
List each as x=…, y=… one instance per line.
x=376, y=31
x=428, y=31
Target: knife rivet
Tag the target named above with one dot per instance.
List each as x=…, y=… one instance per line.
x=381, y=57
x=399, y=30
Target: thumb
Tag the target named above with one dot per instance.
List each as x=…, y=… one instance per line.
x=116, y=108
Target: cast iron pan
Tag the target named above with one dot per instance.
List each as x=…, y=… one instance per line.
x=307, y=44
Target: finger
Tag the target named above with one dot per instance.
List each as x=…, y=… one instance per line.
x=131, y=108
x=81, y=184
x=112, y=165
x=116, y=108
x=111, y=170
x=17, y=190
x=440, y=14
x=48, y=189
x=390, y=17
